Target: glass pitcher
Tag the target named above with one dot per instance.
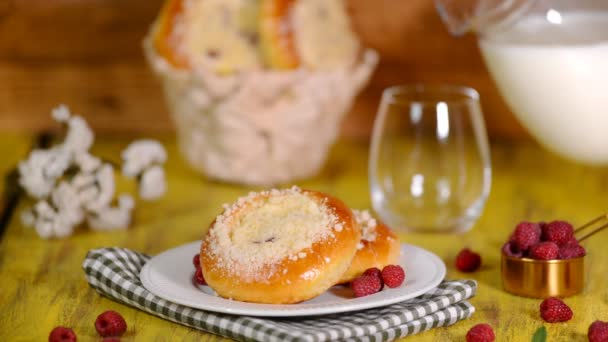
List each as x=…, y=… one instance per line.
x=549, y=59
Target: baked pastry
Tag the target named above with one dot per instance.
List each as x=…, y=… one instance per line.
x=227, y=36
x=322, y=34
x=279, y=246
x=217, y=35
x=276, y=34
x=378, y=247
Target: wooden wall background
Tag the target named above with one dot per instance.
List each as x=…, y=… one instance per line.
x=87, y=54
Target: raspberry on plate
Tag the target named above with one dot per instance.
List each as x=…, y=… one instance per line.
x=546, y=250
x=198, y=277
x=393, y=275
x=525, y=235
x=110, y=323
x=62, y=334
x=598, y=332
x=468, y=261
x=481, y=333
x=196, y=260
x=366, y=285
x=555, y=310
x=374, y=271
x=559, y=232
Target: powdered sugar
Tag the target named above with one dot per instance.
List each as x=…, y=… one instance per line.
x=259, y=231
x=368, y=226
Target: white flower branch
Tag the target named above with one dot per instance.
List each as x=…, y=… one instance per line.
x=73, y=186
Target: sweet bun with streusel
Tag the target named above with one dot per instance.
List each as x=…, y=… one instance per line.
x=379, y=247
x=279, y=246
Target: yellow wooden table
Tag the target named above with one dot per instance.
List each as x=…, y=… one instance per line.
x=43, y=285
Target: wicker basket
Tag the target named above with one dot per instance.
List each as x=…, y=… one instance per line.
x=259, y=127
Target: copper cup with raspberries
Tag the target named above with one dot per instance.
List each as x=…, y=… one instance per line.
x=543, y=260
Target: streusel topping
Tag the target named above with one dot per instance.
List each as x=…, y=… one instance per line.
x=256, y=232
x=368, y=226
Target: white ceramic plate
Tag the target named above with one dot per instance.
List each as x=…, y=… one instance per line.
x=169, y=276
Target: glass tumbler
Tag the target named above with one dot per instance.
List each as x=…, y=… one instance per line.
x=429, y=165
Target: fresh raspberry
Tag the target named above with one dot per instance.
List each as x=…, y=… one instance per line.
x=110, y=323
x=393, y=275
x=481, y=333
x=559, y=232
x=468, y=261
x=571, y=250
x=111, y=339
x=554, y=310
x=366, y=285
x=374, y=272
x=511, y=250
x=598, y=332
x=544, y=251
x=62, y=334
x=525, y=235
x=198, y=276
x=196, y=261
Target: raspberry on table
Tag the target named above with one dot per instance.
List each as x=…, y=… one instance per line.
x=598, y=332
x=366, y=285
x=468, y=261
x=555, y=310
x=512, y=250
x=198, y=276
x=526, y=235
x=546, y=250
x=393, y=275
x=559, y=232
x=481, y=333
x=110, y=323
x=374, y=272
x=196, y=260
x=62, y=334
x=572, y=250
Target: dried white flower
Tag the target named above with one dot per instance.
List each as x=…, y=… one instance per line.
x=55, y=223
x=69, y=207
x=104, y=178
x=111, y=218
x=67, y=200
x=152, y=184
x=87, y=162
x=83, y=180
x=61, y=113
x=79, y=137
x=140, y=155
x=38, y=174
x=44, y=229
x=126, y=201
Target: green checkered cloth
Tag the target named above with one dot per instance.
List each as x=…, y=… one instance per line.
x=114, y=273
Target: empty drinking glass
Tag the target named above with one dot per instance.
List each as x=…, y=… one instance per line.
x=429, y=166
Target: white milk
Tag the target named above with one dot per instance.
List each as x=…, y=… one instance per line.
x=555, y=79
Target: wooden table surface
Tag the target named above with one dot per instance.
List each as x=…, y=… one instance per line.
x=43, y=285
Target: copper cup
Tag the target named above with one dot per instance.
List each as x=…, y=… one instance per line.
x=548, y=278
x=542, y=278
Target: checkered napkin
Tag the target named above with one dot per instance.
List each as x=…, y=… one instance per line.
x=114, y=272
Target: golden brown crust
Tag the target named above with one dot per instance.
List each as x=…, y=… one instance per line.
x=296, y=280
x=276, y=34
x=163, y=30
x=384, y=250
